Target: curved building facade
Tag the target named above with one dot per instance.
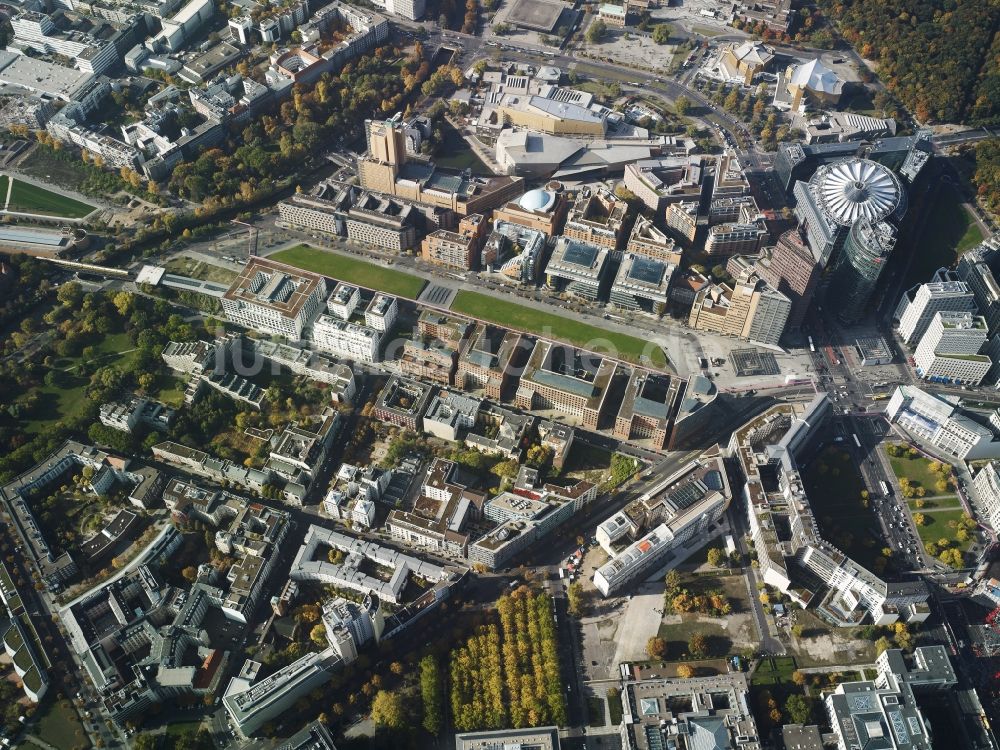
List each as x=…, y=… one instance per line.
x=857, y=268
x=849, y=211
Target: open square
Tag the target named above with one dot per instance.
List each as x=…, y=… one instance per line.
x=754, y=363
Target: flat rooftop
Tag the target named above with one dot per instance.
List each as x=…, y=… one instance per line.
x=43, y=77
x=537, y=15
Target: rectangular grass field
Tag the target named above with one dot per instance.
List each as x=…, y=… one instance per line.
x=936, y=526
x=33, y=199
x=351, y=270
x=917, y=470
x=546, y=324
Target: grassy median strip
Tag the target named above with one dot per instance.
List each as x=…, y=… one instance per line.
x=546, y=324
x=33, y=199
x=351, y=270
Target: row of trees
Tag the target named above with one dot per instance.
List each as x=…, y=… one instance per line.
x=430, y=694
x=507, y=674
x=938, y=56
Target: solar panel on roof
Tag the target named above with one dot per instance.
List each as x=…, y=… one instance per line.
x=686, y=495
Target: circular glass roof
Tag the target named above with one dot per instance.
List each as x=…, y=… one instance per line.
x=854, y=188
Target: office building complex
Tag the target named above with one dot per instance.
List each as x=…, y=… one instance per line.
x=849, y=211
x=541, y=209
x=987, y=483
x=789, y=267
x=979, y=268
x=644, y=536
x=515, y=251
x=660, y=182
x=387, y=169
x=596, y=218
x=524, y=516
x=883, y=712
x=733, y=238
x=567, y=380
x=945, y=292
x=274, y=298
x=539, y=738
x=792, y=554
x=411, y=9
x=649, y=241
x=491, y=360
x=749, y=309
x=840, y=194
x=702, y=712
x=251, y=703
x=642, y=284
x=648, y=408
x=403, y=402
x=682, y=218
x=577, y=267
x=91, y=46
x=356, y=571
x=363, y=216
x=949, y=350
x=459, y=249
x=445, y=505
x=938, y=420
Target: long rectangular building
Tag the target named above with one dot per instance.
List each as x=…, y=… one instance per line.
x=679, y=509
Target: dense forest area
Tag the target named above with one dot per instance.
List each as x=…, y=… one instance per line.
x=987, y=176
x=940, y=57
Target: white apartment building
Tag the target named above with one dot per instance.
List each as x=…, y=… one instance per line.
x=683, y=507
x=38, y=32
x=344, y=339
x=381, y=312
x=987, y=484
x=937, y=420
x=944, y=293
x=411, y=9
x=343, y=301
x=274, y=298
x=949, y=350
